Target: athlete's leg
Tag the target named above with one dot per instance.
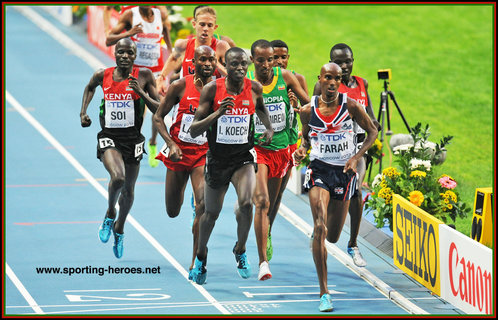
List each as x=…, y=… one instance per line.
x=114, y=164
x=127, y=195
x=261, y=200
x=244, y=181
x=176, y=182
x=337, y=212
x=319, y=199
x=356, y=205
x=213, y=203
x=197, y=180
x=278, y=198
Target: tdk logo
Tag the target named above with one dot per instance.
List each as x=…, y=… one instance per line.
x=333, y=137
x=274, y=107
x=234, y=119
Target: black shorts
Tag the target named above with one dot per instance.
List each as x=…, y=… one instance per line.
x=131, y=149
x=218, y=172
x=341, y=186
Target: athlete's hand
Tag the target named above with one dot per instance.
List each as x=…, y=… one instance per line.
x=175, y=153
x=85, y=120
x=299, y=155
x=136, y=29
x=350, y=166
x=226, y=104
x=265, y=138
x=161, y=86
x=293, y=100
x=133, y=83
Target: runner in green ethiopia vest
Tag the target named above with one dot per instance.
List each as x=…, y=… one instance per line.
x=278, y=105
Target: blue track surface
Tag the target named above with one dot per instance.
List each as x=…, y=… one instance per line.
x=53, y=213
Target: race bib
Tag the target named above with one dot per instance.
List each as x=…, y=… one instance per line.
x=184, y=133
x=119, y=114
x=333, y=146
x=276, y=113
x=233, y=129
x=106, y=142
x=148, y=54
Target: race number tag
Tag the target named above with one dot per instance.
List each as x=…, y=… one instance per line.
x=147, y=54
x=119, y=114
x=139, y=149
x=233, y=129
x=105, y=143
x=277, y=118
x=165, y=150
x=184, y=133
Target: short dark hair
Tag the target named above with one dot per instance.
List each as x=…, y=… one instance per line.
x=340, y=46
x=261, y=43
x=279, y=44
x=234, y=50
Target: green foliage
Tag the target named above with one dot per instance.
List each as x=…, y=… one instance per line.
x=417, y=179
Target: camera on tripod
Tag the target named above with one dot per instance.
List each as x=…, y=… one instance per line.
x=384, y=74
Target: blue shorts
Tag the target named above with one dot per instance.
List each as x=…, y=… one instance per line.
x=341, y=186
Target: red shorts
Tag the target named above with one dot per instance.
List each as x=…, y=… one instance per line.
x=193, y=156
x=277, y=161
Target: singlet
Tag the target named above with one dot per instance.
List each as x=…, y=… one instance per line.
x=294, y=126
x=359, y=94
x=233, y=133
x=331, y=137
x=121, y=113
x=184, y=116
x=277, y=103
x=149, y=53
x=188, y=66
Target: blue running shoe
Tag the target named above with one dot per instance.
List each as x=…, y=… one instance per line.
x=118, y=244
x=358, y=260
x=190, y=276
x=199, y=272
x=326, y=303
x=243, y=266
x=105, y=230
x=269, y=247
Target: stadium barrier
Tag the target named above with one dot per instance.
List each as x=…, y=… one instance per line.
x=447, y=262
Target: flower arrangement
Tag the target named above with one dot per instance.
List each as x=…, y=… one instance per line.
x=417, y=180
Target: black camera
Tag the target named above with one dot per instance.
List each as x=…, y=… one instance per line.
x=384, y=74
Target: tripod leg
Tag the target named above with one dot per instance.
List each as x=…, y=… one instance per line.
x=391, y=95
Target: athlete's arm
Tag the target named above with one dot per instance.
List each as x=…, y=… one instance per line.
x=124, y=23
x=292, y=83
x=173, y=63
x=262, y=112
x=95, y=81
x=305, y=116
x=359, y=115
x=145, y=87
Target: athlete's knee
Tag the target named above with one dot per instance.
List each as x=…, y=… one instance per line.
x=117, y=180
x=245, y=206
x=332, y=238
x=261, y=202
x=320, y=229
x=172, y=210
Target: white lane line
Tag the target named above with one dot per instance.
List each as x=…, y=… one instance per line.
x=32, y=303
x=104, y=193
x=347, y=261
x=95, y=64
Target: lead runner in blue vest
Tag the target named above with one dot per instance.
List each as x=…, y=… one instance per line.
x=327, y=127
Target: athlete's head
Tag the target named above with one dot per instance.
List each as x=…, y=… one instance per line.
x=280, y=53
x=204, y=23
x=204, y=61
x=237, y=63
x=342, y=55
x=330, y=80
x=262, y=57
x=125, y=52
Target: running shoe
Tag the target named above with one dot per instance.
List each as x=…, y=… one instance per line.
x=326, y=303
x=199, y=272
x=264, y=271
x=118, y=244
x=190, y=276
x=358, y=260
x=269, y=247
x=105, y=230
x=243, y=266
x=152, y=155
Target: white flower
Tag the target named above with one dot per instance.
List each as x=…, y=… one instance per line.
x=377, y=180
x=416, y=163
x=177, y=8
x=402, y=147
x=174, y=18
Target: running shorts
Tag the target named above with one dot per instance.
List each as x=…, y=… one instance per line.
x=218, y=172
x=131, y=149
x=277, y=161
x=193, y=157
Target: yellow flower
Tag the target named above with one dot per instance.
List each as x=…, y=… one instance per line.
x=452, y=195
x=450, y=206
x=391, y=172
x=418, y=174
x=386, y=193
x=416, y=197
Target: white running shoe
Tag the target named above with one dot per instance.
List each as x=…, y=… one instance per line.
x=264, y=271
x=358, y=260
